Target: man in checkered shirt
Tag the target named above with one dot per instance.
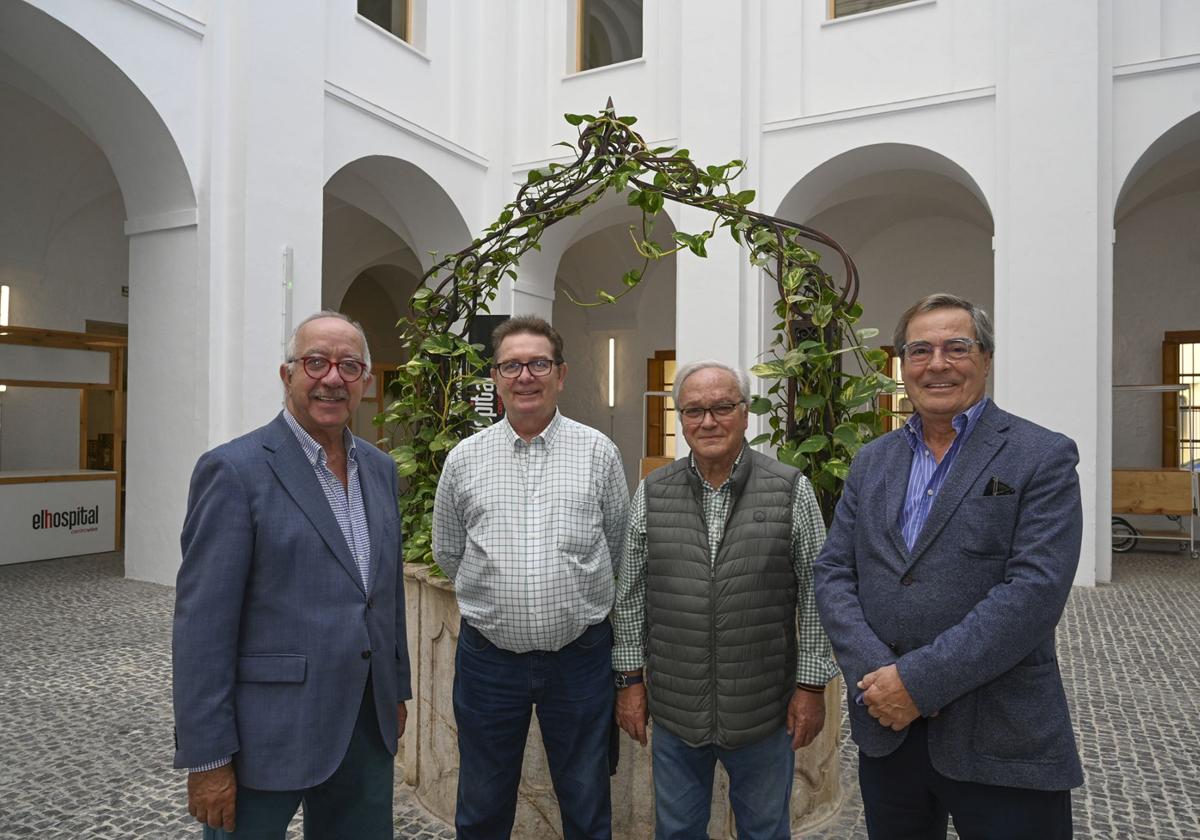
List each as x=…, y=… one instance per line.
x=715, y=600
x=528, y=522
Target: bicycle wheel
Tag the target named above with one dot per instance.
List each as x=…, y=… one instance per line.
x=1124, y=536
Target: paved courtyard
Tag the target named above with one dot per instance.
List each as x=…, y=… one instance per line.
x=85, y=712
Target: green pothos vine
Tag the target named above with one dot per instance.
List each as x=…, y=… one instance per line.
x=822, y=402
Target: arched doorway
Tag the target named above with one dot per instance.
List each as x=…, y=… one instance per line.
x=914, y=221
x=103, y=231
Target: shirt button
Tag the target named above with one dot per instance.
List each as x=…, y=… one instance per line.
x=906, y=580
x=929, y=492
x=366, y=654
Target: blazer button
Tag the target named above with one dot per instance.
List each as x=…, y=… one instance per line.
x=366, y=654
x=370, y=603
x=906, y=580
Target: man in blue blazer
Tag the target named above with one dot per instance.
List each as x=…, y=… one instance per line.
x=944, y=574
x=290, y=657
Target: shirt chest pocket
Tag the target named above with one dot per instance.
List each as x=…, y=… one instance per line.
x=578, y=524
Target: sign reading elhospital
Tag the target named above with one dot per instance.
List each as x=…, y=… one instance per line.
x=67, y=518
x=41, y=517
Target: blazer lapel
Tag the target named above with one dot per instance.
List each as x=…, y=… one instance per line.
x=296, y=475
x=981, y=447
x=897, y=465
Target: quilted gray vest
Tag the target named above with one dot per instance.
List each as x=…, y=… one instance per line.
x=721, y=638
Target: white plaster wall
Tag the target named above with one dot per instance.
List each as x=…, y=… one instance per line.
x=815, y=66
x=1156, y=288
x=64, y=256
x=641, y=322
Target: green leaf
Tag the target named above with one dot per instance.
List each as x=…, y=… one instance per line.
x=822, y=315
x=838, y=468
x=742, y=198
x=866, y=333
x=815, y=443
x=768, y=370
x=808, y=402
x=605, y=296
x=763, y=438
x=760, y=405
x=533, y=177
x=574, y=119
x=632, y=277
x=846, y=434
x=627, y=120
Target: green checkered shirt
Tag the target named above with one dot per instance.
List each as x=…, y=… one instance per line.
x=814, y=659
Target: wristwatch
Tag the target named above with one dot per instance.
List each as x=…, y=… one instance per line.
x=623, y=680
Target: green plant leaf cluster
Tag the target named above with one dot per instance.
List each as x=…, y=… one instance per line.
x=817, y=424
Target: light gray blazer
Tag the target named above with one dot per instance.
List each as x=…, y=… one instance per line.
x=274, y=633
x=968, y=615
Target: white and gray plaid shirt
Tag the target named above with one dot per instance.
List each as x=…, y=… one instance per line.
x=530, y=532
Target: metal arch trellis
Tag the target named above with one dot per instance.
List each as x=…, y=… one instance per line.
x=818, y=412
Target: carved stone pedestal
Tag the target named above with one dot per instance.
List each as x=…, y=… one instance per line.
x=429, y=749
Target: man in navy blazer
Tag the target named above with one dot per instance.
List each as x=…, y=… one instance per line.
x=944, y=574
x=290, y=656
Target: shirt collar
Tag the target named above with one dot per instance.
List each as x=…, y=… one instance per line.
x=548, y=434
x=313, y=451
x=736, y=463
x=914, y=430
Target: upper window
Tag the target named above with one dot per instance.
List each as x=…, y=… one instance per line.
x=842, y=8
x=608, y=32
x=393, y=15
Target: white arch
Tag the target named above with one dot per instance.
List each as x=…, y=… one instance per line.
x=1145, y=177
x=57, y=66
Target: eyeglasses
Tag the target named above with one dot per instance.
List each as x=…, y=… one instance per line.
x=351, y=370
x=720, y=411
x=953, y=350
x=538, y=367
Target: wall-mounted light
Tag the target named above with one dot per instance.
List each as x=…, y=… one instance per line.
x=612, y=372
x=4, y=293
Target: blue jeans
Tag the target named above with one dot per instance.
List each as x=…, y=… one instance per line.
x=760, y=787
x=495, y=692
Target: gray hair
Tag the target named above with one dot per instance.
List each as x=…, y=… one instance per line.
x=942, y=300
x=291, y=350
x=739, y=376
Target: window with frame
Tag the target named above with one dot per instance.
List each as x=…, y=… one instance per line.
x=660, y=411
x=845, y=8
x=898, y=402
x=394, y=16
x=607, y=32
x=1181, y=412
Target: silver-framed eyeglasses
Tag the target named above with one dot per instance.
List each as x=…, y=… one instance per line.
x=720, y=411
x=538, y=367
x=953, y=350
x=317, y=367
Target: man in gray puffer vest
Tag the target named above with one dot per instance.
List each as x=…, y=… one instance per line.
x=714, y=580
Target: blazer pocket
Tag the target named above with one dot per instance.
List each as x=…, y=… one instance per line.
x=1022, y=716
x=272, y=668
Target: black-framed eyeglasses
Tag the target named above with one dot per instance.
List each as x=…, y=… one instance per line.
x=538, y=367
x=953, y=350
x=317, y=367
x=720, y=411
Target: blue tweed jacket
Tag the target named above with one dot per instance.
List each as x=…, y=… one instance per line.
x=272, y=623
x=968, y=616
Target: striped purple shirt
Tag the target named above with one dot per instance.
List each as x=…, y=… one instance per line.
x=927, y=475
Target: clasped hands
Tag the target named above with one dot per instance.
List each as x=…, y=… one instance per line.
x=886, y=698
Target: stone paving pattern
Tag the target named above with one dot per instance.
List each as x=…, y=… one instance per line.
x=85, y=707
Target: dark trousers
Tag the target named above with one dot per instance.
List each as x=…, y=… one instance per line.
x=355, y=803
x=495, y=692
x=905, y=798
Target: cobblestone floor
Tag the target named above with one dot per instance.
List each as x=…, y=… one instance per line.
x=85, y=712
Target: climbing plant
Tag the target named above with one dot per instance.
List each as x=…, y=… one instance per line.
x=821, y=403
